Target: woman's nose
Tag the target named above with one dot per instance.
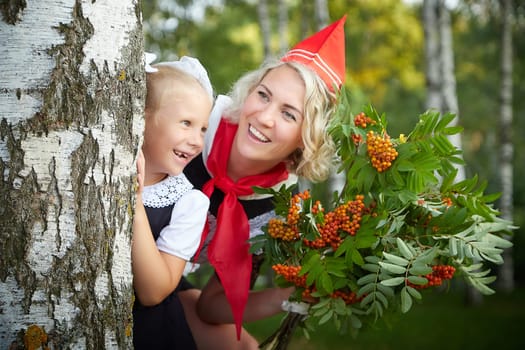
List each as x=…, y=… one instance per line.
x=267, y=116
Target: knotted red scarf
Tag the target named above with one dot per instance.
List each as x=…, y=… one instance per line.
x=228, y=251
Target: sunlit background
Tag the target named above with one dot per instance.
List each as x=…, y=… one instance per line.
x=385, y=67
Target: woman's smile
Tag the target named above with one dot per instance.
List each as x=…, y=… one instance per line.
x=259, y=136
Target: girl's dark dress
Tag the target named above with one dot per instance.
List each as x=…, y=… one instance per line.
x=164, y=326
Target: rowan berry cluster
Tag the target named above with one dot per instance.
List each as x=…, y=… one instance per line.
x=447, y=201
x=348, y=297
x=380, y=150
x=295, y=207
x=288, y=231
x=280, y=230
x=345, y=219
x=436, y=278
x=362, y=120
x=291, y=274
x=357, y=139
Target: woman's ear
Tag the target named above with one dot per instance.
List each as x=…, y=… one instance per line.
x=295, y=157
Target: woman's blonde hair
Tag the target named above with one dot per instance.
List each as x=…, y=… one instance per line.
x=314, y=162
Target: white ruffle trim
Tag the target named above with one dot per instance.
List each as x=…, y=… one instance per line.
x=166, y=192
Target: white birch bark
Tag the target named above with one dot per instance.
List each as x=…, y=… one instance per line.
x=264, y=22
x=71, y=102
x=283, y=27
x=432, y=56
x=441, y=81
x=440, y=71
x=321, y=14
x=506, y=271
x=448, y=87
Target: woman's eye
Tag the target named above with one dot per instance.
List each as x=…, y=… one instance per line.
x=263, y=95
x=289, y=115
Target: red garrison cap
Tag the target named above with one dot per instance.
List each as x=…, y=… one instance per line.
x=324, y=53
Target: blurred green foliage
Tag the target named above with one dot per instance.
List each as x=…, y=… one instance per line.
x=385, y=65
x=441, y=321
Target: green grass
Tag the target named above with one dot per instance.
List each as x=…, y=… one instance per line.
x=441, y=321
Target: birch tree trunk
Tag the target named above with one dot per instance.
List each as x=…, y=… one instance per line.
x=506, y=271
x=266, y=31
x=71, y=102
x=449, y=100
x=432, y=56
x=441, y=81
x=321, y=14
x=283, y=27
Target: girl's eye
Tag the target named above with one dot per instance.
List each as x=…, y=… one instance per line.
x=186, y=122
x=203, y=130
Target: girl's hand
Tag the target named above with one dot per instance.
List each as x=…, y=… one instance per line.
x=141, y=164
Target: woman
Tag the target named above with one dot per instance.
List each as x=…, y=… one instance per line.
x=270, y=129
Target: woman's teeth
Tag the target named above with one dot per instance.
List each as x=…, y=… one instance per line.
x=258, y=135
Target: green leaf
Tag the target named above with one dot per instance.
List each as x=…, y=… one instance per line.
x=405, y=165
x=394, y=259
x=357, y=258
x=382, y=299
x=452, y=130
x=312, y=259
x=445, y=120
x=370, y=278
x=406, y=300
x=414, y=292
x=393, y=281
x=420, y=281
x=372, y=259
x=256, y=246
x=404, y=249
x=371, y=267
x=365, y=240
x=453, y=246
x=355, y=322
x=395, y=269
x=388, y=291
x=325, y=282
x=326, y=317
x=420, y=269
x=427, y=256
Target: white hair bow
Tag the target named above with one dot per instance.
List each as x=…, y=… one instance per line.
x=186, y=64
x=148, y=58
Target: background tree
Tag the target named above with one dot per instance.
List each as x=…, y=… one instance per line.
x=441, y=80
x=71, y=102
x=283, y=26
x=506, y=272
x=264, y=22
x=385, y=65
x=385, y=59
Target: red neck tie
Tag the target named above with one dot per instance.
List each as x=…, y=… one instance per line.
x=228, y=251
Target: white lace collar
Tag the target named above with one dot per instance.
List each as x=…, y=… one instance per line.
x=166, y=192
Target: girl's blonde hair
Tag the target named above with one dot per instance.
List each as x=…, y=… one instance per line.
x=315, y=161
x=167, y=80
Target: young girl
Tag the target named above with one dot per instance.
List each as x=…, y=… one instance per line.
x=170, y=214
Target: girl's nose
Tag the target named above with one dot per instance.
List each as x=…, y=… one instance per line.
x=196, y=139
